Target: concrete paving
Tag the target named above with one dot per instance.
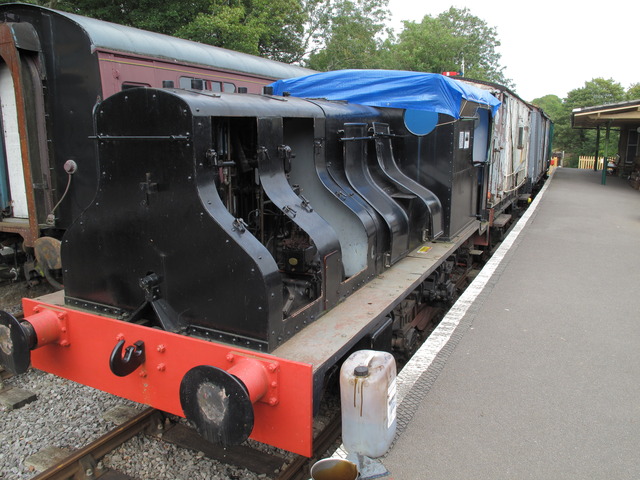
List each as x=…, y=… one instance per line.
x=544, y=383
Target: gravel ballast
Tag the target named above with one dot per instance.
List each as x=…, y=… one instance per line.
x=69, y=416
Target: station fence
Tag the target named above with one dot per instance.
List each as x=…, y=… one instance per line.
x=586, y=162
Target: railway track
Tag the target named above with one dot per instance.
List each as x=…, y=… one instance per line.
x=86, y=463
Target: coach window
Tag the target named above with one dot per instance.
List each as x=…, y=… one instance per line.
x=128, y=85
x=185, y=82
x=216, y=87
x=229, y=87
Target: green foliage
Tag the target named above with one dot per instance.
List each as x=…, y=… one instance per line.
x=347, y=34
x=428, y=47
x=66, y=5
x=551, y=105
x=455, y=40
x=576, y=142
x=270, y=28
x=597, y=91
x=634, y=92
x=143, y=14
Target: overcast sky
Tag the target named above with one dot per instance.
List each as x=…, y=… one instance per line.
x=551, y=46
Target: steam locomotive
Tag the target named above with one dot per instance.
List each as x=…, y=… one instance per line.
x=240, y=245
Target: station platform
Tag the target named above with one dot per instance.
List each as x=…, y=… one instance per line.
x=535, y=372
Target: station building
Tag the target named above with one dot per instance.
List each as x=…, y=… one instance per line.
x=623, y=116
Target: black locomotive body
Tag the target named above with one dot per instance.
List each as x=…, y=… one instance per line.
x=251, y=222
x=242, y=218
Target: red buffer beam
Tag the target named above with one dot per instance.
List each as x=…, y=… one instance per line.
x=272, y=402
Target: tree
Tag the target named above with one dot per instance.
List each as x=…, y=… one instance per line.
x=634, y=92
x=143, y=14
x=597, y=91
x=428, y=47
x=346, y=34
x=270, y=28
x=551, y=105
x=455, y=40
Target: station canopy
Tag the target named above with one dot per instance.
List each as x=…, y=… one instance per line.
x=390, y=88
x=623, y=114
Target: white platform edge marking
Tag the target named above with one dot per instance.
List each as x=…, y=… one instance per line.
x=427, y=353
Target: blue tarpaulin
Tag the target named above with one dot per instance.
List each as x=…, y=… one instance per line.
x=389, y=88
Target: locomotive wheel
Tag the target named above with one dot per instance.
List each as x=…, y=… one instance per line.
x=218, y=403
x=15, y=352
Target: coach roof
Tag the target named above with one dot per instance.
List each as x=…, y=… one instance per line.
x=110, y=36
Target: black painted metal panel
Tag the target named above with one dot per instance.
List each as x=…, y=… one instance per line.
x=360, y=177
x=157, y=211
x=331, y=169
x=442, y=162
x=424, y=208
x=271, y=168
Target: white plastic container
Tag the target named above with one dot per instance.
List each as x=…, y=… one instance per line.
x=368, y=399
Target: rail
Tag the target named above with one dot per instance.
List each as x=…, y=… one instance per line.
x=300, y=467
x=84, y=462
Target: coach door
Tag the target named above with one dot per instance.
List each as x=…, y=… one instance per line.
x=25, y=180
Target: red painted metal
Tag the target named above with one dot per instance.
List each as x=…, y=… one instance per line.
x=48, y=325
x=492, y=215
x=482, y=239
x=254, y=373
x=283, y=388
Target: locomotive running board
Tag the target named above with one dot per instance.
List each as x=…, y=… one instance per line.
x=342, y=327
x=283, y=417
